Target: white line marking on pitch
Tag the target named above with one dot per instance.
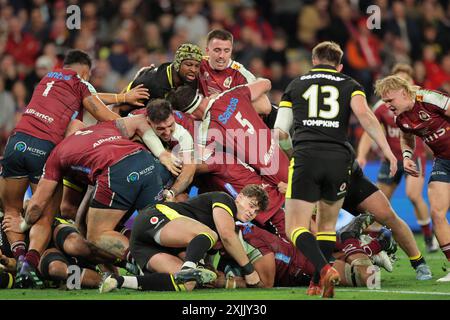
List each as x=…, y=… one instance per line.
x=397, y=291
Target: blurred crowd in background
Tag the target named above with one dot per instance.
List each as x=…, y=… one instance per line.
x=273, y=39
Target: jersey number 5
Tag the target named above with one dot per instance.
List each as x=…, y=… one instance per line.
x=245, y=123
x=312, y=95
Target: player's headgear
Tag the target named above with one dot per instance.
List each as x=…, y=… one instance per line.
x=187, y=51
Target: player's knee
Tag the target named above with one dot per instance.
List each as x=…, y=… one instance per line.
x=438, y=214
x=68, y=210
x=76, y=245
x=414, y=195
x=53, y=265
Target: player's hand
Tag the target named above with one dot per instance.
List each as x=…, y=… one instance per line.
x=252, y=279
x=282, y=187
x=136, y=95
x=410, y=167
x=168, y=195
x=392, y=165
x=362, y=161
x=7, y=264
x=12, y=223
x=172, y=163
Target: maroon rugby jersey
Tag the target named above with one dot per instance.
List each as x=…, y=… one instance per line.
x=236, y=125
x=56, y=100
x=387, y=119
x=86, y=153
x=238, y=175
x=216, y=81
x=290, y=263
x=428, y=121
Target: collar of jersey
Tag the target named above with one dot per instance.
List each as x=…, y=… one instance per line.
x=324, y=67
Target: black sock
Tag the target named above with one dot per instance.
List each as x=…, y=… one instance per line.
x=198, y=247
x=158, y=282
x=417, y=262
x=307, y=244
x=6, y=280
x=119, y=279
x=327, y=243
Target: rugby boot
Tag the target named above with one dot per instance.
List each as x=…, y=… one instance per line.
x=431, y=244
x=28, y=277
x=314, y=289
x=199, y=275
x=329, y=277
x=444, y=279
x=382, y=259
x=423, y=272
x=355, y=227
x=110, y=282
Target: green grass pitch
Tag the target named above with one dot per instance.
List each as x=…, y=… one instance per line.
x=398, y=285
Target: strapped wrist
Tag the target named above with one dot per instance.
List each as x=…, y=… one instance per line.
x=248, y=269
x=407, y=154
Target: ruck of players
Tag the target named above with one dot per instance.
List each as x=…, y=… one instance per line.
x=190, y=178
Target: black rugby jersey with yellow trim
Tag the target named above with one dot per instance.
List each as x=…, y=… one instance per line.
x=201, y=207
x=320, y=101
x=158, y=81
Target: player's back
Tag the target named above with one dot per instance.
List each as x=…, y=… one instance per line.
x=89, y=151
x=56, y=100
x=158, y=81
x=201, y=207
x=320, y=101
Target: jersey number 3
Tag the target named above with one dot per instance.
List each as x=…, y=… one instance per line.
x=312, y=95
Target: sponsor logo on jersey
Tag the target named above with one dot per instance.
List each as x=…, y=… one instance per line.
x=435, y=135
x=178, y=114
x=419, y=98
x=227, y=82
x=83, y=133
x=231, y=108
x=321, y=75
x=282, y=257
x=424, y=116
x=109, y=139
x=133, y=177
x=235, y=66
x=39, y=115
x=59, y=76
x=20, y=146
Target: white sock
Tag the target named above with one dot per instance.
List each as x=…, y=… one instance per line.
x=130, y=282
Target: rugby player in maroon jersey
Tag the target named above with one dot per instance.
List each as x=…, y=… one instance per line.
x=426, y=114
x=414, y=185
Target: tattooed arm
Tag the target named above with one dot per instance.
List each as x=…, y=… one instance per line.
x=98, y=109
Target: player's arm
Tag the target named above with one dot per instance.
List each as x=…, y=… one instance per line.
x=41, y=197
x=134, y=96
x=265, y=266
x=98, y=109
x=371, y=125
x=408, y=145
x=224, y=223
x=364, y=146
x=282, y=126
x=259, y=87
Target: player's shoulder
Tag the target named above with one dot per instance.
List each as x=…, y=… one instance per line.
x=433, y=97
x=379, y=106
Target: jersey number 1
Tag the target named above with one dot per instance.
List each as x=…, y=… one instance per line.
x=49, y=86
x=312, y=95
